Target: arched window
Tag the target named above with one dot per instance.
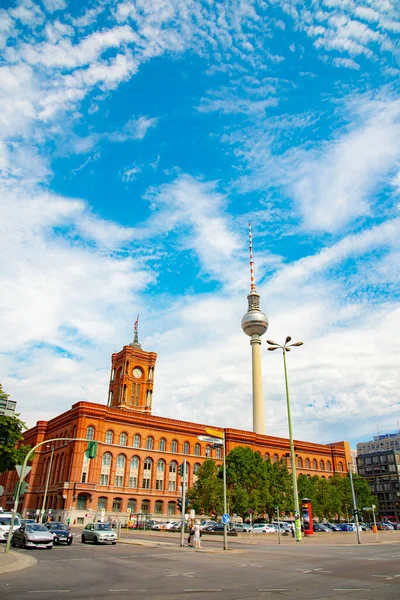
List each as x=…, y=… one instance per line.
x=123, y=439
x=328, y=465
x=160, y=475
x=173, y=466
x=121, y=461
x=90, y=433
x=171, y=508
x=314, y=464
x=158, y=507
x=102, y=503
x=340, y=466
x=119, y=375
x=136, y=441
x=174, y=446
x=161, y=445
x=197, y=449
x=322, y=465
x=307, y=463
x=275, y=458
x=106, y=460
x=109, y=437
x=132, y=504
x=117, y=504
x=161, y=466
x=149, y=443
x=300, y=462
x=186, y=448
x=82, y=502
x=145, y=506
x=196, y=468
x=218, y=452
x=267, y=456
x=134, y=462
x=147, y=465
x=208, y=451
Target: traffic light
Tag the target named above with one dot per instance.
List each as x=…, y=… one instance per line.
x=181, y=470
x=23, y=489
x=179, y=504
x=187, y=504
x=92, y=449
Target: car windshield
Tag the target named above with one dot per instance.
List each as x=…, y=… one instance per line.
x=36, y=527
x=102, y=527
x=58, y=526
x=5, y=520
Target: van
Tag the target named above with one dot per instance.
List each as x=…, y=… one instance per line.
x=5, y=523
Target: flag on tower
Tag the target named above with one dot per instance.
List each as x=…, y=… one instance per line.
x=135, y=325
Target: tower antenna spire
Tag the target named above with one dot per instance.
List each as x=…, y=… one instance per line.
x=252, y=278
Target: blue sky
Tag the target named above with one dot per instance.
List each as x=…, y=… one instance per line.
x=137, y=140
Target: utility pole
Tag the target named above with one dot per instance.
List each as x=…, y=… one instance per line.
x=354, y=503
x=47, y=485
x=183, y=503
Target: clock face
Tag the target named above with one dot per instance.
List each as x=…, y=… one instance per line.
x=137, y=372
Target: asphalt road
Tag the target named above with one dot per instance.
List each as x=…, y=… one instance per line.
x=168, y=572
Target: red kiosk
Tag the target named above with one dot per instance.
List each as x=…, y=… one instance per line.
x=306, y=508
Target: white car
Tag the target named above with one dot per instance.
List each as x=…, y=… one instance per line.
x=5, y=523
x=208, y=523
x=241, y=528
x=99, y=533
x=263, y=528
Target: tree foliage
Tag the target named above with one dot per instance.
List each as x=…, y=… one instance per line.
x=261, y=485
x=11, y=428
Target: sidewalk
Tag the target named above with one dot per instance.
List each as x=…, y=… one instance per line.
x=15, y=561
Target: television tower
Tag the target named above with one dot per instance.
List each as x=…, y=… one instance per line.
x=255, y=324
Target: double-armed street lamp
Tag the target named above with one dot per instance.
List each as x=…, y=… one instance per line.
x=52, y=448
x=286, y=348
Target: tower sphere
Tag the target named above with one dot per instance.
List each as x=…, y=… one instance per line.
x=254, y=322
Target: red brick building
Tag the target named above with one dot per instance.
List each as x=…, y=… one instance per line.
x=138, y=455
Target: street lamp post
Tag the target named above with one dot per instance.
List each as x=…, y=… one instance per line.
x=353, y=495
x=286, y=348
x=47, y=483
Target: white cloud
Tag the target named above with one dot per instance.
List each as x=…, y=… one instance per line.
x=129, y=173
x=348, y=63
x=334, y=184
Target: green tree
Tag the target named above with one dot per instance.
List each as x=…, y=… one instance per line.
x=11, y=428
x=279, y=489
x=206, y=496
x=247, y=481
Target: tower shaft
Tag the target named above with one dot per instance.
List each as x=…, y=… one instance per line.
x=258, y=396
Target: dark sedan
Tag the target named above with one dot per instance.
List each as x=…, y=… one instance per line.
x=61, y=533
x=215, y=527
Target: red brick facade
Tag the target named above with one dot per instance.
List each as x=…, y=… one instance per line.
x=138, y=456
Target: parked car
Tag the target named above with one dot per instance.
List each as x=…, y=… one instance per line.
x=282, y=525
x=5, y=523
x=215, y=527
x=33, y=535
x=347, y=527
x=320, y=527
x=364, y=527
x=263, y=528
x=241, y=528
x=332, y=526
x=61, y=533
x=99, y=533
x=207, y=523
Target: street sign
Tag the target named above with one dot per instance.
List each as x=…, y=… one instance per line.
x=214, y=433
x=225, y=519
x=18, y=468
x=207, y=438
x=192, y=513
x=250, y=511
x=128, y=510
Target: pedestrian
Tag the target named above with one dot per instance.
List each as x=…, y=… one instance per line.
x=197, y=535
x=191, y=533
x=68, y=522
x=292, y=527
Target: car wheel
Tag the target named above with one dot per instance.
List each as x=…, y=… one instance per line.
x=23, y=545
x=95, y=540
x=49, y=547
x=69, y=542
x=113, y=543
x=83, y=539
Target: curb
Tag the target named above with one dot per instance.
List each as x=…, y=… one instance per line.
x=18, y=562
x=148, y=543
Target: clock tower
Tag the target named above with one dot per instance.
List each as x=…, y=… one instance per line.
x=132, y=377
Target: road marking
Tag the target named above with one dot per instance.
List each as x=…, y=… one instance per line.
x=319, y=570
x=121, y=590
x=351, y=590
